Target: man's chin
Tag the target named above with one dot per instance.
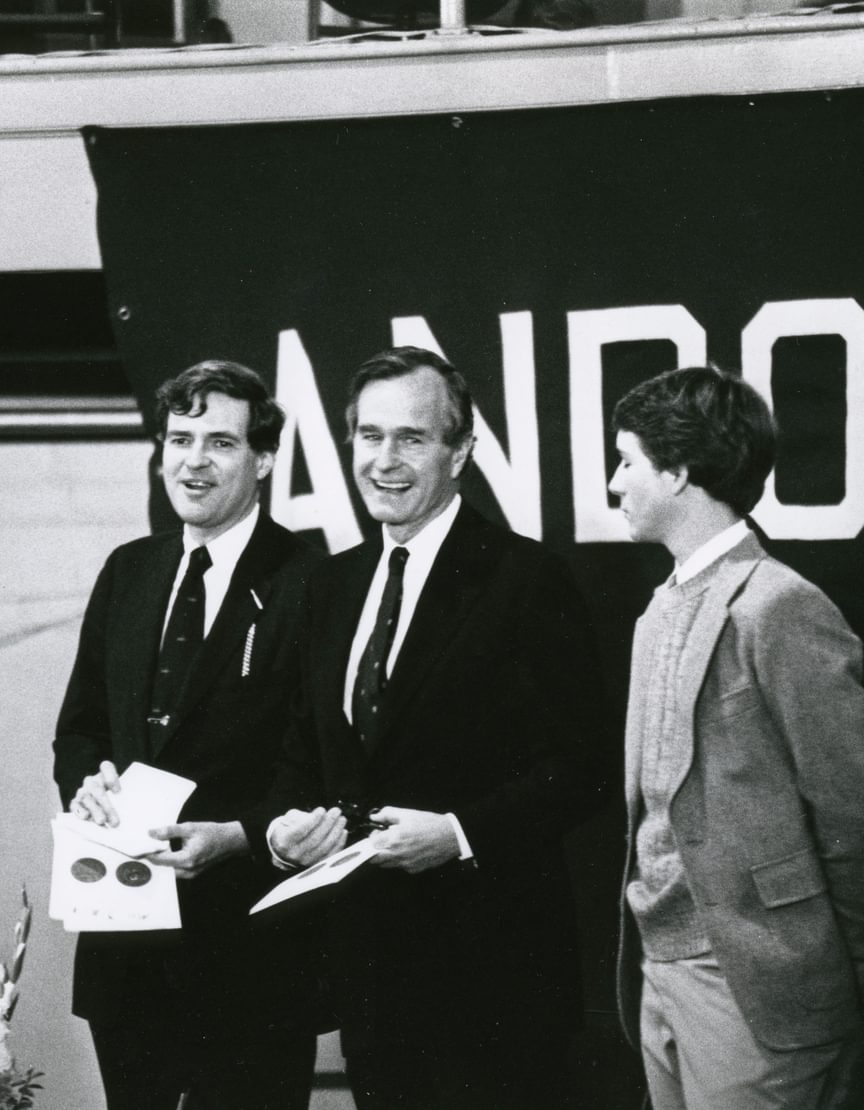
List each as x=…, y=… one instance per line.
x=191, y=513
x=390, y=518
x=383, y=510
x=634, y=532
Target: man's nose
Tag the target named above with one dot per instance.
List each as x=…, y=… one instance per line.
x=614, y=484
x=387, y=455
x=197, y=456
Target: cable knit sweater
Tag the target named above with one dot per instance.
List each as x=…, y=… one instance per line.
x=658, y=892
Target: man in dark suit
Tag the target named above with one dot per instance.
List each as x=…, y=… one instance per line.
x=449, y=687
x=210, y=1009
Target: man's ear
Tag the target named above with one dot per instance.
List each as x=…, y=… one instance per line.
x=461, y=455
x=264, y=463
x=680, y=479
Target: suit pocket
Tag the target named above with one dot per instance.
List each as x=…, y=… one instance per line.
x=781, y=882
x=806, y=951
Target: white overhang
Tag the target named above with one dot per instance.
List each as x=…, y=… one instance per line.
x=474, y=72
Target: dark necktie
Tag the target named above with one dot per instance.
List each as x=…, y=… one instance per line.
x=184, y=635
x=372, y=672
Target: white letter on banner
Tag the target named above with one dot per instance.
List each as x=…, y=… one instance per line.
x=841, y=316
x=515, y=484
x=328, y=507
x=588, y=332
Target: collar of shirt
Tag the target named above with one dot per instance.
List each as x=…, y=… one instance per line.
x=422, y=551
x=711, y=551
x=225, y=552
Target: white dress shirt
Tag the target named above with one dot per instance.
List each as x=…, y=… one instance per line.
x=225, y=552
x=709, y=552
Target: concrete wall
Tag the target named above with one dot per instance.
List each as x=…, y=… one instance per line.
x=63, y=507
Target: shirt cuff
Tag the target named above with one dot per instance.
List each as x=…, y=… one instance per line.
x=465, y=851
x=275, y=859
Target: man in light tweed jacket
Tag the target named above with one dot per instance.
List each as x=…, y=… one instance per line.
x=742, y=952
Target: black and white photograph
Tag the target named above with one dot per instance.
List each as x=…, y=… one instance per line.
x=432, y=481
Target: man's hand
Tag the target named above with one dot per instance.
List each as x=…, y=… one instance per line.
x=305, y=838
x=201, y=844
x=92, y=801
x=414, y=839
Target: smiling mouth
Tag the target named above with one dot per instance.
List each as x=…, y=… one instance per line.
x=391, y=487
x=196, y=485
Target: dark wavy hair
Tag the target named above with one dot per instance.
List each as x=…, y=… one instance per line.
x=396, y=362
x=189, y=391
x=710, y=421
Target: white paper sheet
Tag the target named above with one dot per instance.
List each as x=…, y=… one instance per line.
x=147, y=799
x=95, y=889
x=328, y=871
x=97, y=883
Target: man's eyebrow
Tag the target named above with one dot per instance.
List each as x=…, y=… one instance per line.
x=404, y=429
x=207, y=435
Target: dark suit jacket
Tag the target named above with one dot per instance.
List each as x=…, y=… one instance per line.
x=490, y=713
x=227, y=736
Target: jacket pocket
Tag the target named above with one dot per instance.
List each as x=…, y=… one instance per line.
x=794, y=878
x=733, y=703
x=807, y=952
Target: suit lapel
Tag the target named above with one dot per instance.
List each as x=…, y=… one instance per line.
x=736, y=567
x=350, y=587
x=143, y=635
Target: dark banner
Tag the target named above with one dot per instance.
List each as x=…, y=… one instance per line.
x=557, y=257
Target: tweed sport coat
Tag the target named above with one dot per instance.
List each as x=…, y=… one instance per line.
x=226, y=736
x=768, y=812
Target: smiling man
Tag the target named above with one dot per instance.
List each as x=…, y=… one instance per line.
x=742, y=952
x=187, y=661
x=211, y=472
x=449, y=688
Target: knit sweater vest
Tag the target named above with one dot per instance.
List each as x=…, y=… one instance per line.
x=658, y=893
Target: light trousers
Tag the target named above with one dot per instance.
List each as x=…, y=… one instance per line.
x=700, y=1054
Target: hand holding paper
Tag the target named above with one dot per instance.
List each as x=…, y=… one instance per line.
x=143, y=799
x=92, y=800
x=196, y=845
x=96, y=883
